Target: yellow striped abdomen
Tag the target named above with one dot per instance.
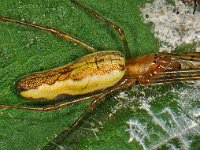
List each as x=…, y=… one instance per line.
x=93, y=72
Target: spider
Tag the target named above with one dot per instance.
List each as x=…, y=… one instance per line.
x=100, y=73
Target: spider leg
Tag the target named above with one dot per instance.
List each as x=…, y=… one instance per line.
x=50, y=30
x=188, y=71
x=177, y=75
x=65, y=133
x=190, y=56
x=50, y=107
x=97, y=99
x=114, y=26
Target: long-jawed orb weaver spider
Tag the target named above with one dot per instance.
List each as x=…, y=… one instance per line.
x=100, y=73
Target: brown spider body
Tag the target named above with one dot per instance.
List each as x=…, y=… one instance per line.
x=97, y=72
x=96, y=75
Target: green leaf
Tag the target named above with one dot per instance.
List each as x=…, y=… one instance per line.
x=24, y=50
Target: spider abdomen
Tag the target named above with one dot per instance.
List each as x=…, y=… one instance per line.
x=93, y=72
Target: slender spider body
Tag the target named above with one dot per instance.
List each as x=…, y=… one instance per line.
x=101, y=70
x=100, y=73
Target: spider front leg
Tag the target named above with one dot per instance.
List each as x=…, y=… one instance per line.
x=163, y=67
x=175, y=67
